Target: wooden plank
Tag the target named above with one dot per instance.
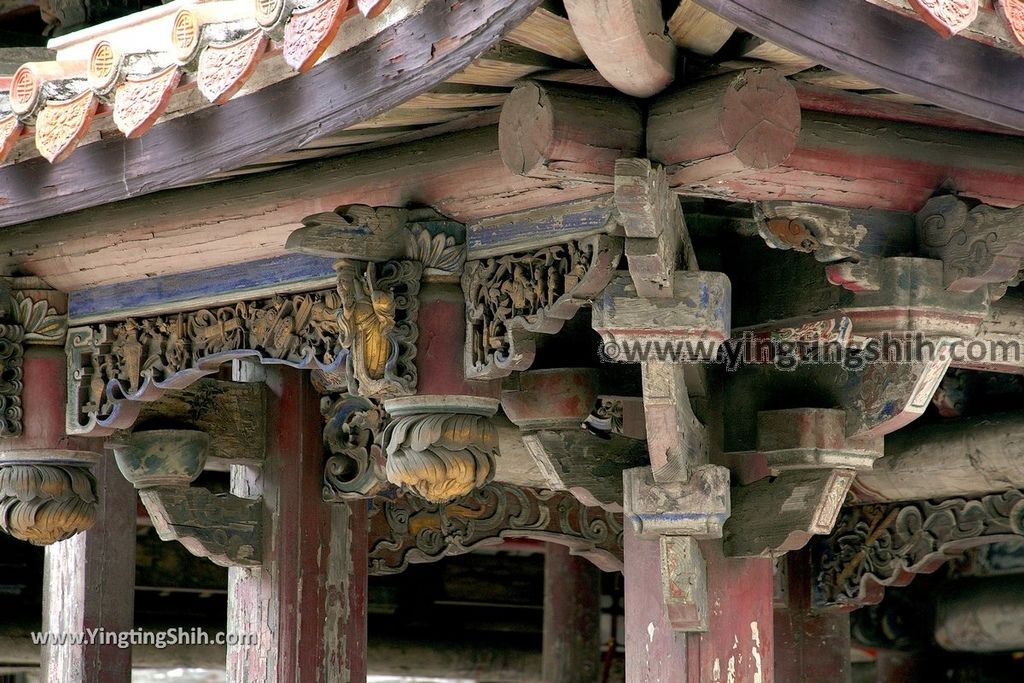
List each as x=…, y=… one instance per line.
x=814, y=98
x=380, y=73
x=457, y=96
x=697, y=29
x=897, y=52
x=827, y=78
x=402, y=116
x=585, y=77
x=539, y=227
x=201, y=289
x=235, y=221
x=503, y=65
x=88, y=583
x=306, y=604
x=626, y=41
x=550, y=33
x=572, y=617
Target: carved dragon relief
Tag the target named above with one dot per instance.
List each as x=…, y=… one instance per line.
x=874, y=546
x=511, y=298
x=408, y=530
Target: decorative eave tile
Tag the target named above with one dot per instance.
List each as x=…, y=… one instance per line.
x=60, y=125
x=139, y=102
x=224, y=68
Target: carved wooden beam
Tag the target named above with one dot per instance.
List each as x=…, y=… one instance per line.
x=834, y=233
x=875, y=546
x=511, y=298
x=367, y=326
x=409, y=530
x=627, y=42
x=978, y=247
x=162, y=464
x=903, y=325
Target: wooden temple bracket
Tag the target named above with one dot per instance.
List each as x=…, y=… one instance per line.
x=681, y=498
x=811, y=464
x=551, y=406
x=162, y=464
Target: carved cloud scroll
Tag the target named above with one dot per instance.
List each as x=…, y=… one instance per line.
x=408, y=530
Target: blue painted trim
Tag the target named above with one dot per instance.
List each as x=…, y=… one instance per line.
x=119, y=300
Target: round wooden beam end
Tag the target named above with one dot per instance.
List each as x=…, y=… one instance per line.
x=549, y=131
x=761, y=118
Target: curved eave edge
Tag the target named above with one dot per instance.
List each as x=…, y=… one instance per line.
x=390, y=68
x=890, y=50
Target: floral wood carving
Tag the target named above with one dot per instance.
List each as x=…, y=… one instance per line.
x=947, y=17
x=12, y=352
x=1013, y=12
x=40, y=322
x=874, y=546
x=139, y=102
x=510, y=298
x=355, y=468
x=310, y=30
x=224, y=67
x=10, y=130
x=46, y=502
x=377, y=324
x=408, y=530
x=60, y=125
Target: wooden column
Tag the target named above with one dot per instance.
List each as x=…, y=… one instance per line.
x=809, y=646
x=655, y=652
x=89, y=579
x=306, y=604
x=739, y=642
x=572, y=617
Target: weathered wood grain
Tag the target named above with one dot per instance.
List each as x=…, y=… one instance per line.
x=572, y=617
x=231, y=413
x=698, y=29
x=740, y=121
x=626, y=41
x=550, y=131
x=897, y=52
x=306, y=604
x=461, y=175
x=548, y=32
x=402, y=61
x=88, y=582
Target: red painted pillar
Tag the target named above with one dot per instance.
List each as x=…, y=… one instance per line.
x=572, y=617
x=739, y=644
x=89, y=583
x=654, y=652
x=305, y=607
x=809, y=646
x=89, y=579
